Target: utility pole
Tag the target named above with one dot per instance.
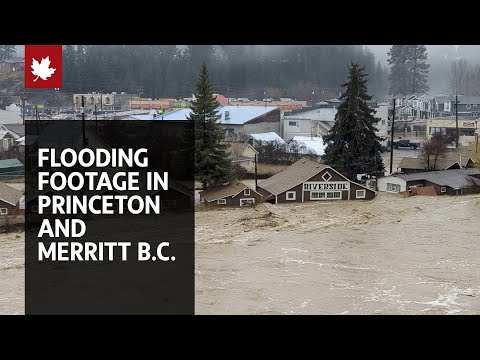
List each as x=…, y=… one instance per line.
x=23, y=109
x=255, y=171
x=96, y=120
x=456, y=120
x=83, y=122
x=391, y=138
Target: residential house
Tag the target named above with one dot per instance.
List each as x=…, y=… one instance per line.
x=7, y=140
x=447, y=182
x=13, y=64
x=103, y=102
x=445, y=106
x=239, y=121
x=233, y=194
x=451, y=161
x=307, y=180
x=316, y=120
x=10, y=200
x=17, y=130
x=243, y=154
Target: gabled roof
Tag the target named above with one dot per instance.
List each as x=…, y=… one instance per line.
x=238, y=148
x=17, y=129
x=454, y=178
x=9, y=194
x=292, y=176
x=312, y=144
x=468, y=100
x=223, y=191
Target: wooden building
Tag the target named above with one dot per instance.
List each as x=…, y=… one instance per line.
x=307, y=180
x=234, y=194
x=448, y=162
x=10, y=200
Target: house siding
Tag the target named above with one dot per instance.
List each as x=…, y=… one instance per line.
x=11, y=210
x=281, y=198
x=235, y=201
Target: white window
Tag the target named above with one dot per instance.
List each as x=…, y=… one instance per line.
x=443, y=189
x=291, y=195
x=267, y=128
x=393, y=187
x=474, y=105
x=360, y=194
x=246, y=192
x=446, y=106
x=221, y=201
x=250, y=201
x=468, y=106
x=3, y=211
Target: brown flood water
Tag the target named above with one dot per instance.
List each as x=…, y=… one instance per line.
x=392, y=255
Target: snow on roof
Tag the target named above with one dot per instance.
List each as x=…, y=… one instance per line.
x=312, y=144
x=268, y=136
x=237, y=115
x=322, y=114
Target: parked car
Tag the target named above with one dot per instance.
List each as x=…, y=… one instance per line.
x=406, y=144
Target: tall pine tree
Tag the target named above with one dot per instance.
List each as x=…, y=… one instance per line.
x=409, y=69
x=212, y=163
x=352, y=144
x=417, y=61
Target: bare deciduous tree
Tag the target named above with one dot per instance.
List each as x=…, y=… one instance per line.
x=434, y=149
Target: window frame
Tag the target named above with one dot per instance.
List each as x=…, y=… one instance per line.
x=294, y=195
x=221, y=201
x=361, y=197
x=443, y=189
x=246, y=192
x=3, y=211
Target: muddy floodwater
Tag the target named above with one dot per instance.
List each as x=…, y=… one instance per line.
x=391, y=255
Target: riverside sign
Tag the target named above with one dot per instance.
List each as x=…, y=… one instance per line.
x=333, y=185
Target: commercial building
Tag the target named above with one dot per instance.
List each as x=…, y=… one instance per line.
x=307, y=180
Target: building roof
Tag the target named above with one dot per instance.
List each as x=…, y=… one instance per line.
x=17, y=129
x=442, y=163
x=468, y=100
x=239, y=147
x=9, y=194
x=312, y=144
x=454, y=178
x=9, y=163
x=223, y=191
x=292, y=176
x=267, y=137
x=322, y=114
x=238, y=115
x=4, y=132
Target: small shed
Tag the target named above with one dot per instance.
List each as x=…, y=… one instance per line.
x=233, y=194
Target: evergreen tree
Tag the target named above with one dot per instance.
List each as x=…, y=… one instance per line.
x=7, y=51
x=399, y=74
x=417, y=57
x=352, y=144
x=212, y=163
x=409, y=72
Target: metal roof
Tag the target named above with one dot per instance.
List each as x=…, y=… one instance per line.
x=223, y=191
x=10, y=163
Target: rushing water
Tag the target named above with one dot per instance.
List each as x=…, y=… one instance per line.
x=418, y=255
x=391, y=255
